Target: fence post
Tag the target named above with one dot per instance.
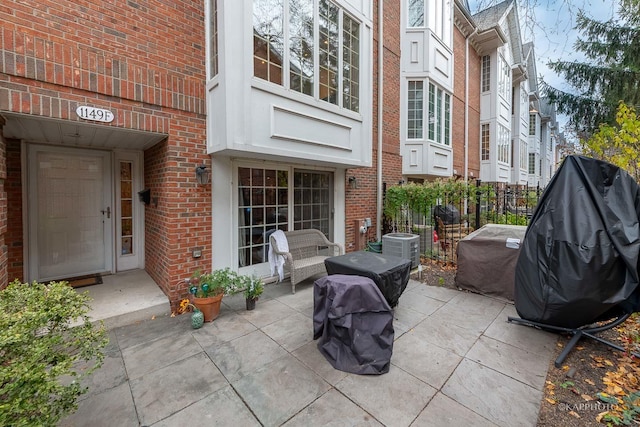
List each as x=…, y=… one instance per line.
x=478, y=183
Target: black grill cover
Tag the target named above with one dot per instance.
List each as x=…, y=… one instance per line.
x=354, y=324
x=390, y=273
x=578, y=263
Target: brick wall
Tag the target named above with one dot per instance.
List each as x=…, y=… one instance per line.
x=362, y=202
x=461, y=81
x=143, y=60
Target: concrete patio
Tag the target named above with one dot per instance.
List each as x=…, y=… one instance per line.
x=456, y=361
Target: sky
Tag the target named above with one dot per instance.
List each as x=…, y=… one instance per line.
x=549, y=24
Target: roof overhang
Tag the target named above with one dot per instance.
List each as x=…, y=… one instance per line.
x=489, y=39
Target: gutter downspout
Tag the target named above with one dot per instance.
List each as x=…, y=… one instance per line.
x=380, y=108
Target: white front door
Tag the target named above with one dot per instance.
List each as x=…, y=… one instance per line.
x=70, y=212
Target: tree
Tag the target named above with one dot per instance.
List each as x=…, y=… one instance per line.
x=618, y=143
x=610, y=73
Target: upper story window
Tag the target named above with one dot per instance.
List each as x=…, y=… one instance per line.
x=532, y=163
x=415, y=110
x=415, y=12
x=486, y=73
x=485, y=141
x=532, y=124
x=504, y=138
x=286, y=47
x=213, y=38
x=504, y=81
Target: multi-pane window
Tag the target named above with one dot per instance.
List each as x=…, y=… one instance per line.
x=504, y=81
x=532, y=124
x=503, y=144
x=268, y=39
x=415, y=110
x=486, y=73
x=532, y=163
x=213, y=38
x=523, y=154
x=485, y=141
x=350, y=63
x=301, y=52
x=415, y=13
x=263, y=197
x=311, y=200
x=279, y=45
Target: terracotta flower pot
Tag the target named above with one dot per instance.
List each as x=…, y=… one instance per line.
x=209, y=306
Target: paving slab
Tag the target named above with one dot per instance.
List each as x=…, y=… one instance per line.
x=114, y=407
x=151, y=329
x=310, y=356
x=291, y=332
x=168, y=390
x=527, y=338
x=280, y=389
x=519, y=364
x=267, y=312
x=471, y=311
x=221, y=408
x=444, y=411
x=452, y=337
x=149, y=356
x=223, y=329
x=245, y=354
x=435, y=292
x=420, y=303
x=493, y=395
x=395, y=398
x=424, y=360
x=332, y=408
x=405, y=319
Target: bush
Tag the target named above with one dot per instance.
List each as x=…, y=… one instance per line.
x=42, y=357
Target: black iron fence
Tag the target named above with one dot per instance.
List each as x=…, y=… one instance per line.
x=442, y=214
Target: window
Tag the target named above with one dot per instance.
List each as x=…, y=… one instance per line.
x=263, y=198
x=532, y=163
x=439, y=112
x=504, y=81
x=523, y=154
x=415, y=11
x=290, y=46
x=311, y=200
x=415, y=110
x=301, y=65
x=486, y=73
x=485, y=141
x=213, y=38
x=350, y=63
x=532, y=124
x=503, y=144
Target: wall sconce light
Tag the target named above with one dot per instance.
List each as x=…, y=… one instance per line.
x=353, y=182
x=202, y=175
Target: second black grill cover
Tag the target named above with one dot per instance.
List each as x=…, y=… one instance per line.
x=354, y=324
x=578, y=263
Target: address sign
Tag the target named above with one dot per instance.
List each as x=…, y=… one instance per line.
x=92, y=113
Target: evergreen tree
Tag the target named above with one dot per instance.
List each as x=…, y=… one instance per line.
x=610, y=74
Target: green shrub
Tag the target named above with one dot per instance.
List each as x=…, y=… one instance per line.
x=42, y=357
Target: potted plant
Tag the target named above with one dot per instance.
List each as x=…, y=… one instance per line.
x=207, y=290
x=253, y=288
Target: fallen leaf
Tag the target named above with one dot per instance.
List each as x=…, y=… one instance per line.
x=553, y=402
x=153, y=317
x=600, y=415
x=579, y=347
x=588, y=381
x=574, y=413
x=586, y=397
x=608, y=363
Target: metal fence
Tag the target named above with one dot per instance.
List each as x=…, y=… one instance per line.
x=475, y=205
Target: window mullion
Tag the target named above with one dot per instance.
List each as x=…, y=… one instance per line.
x=286, y=56
x=316, y=49
x=340, y=94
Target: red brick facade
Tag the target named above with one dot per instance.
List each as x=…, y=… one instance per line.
x=461, y=81
x=145, y=62
x=361, y=202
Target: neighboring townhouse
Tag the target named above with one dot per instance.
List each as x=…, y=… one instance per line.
x=176, y=136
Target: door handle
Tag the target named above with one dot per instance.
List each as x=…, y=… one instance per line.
x=107, y=211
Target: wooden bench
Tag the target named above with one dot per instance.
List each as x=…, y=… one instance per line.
x=307, y=251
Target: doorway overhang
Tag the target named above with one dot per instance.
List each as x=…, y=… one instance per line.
x=44, y=130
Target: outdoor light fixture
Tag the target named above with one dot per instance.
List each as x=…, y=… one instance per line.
x=353, y=182
x=202, y=175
